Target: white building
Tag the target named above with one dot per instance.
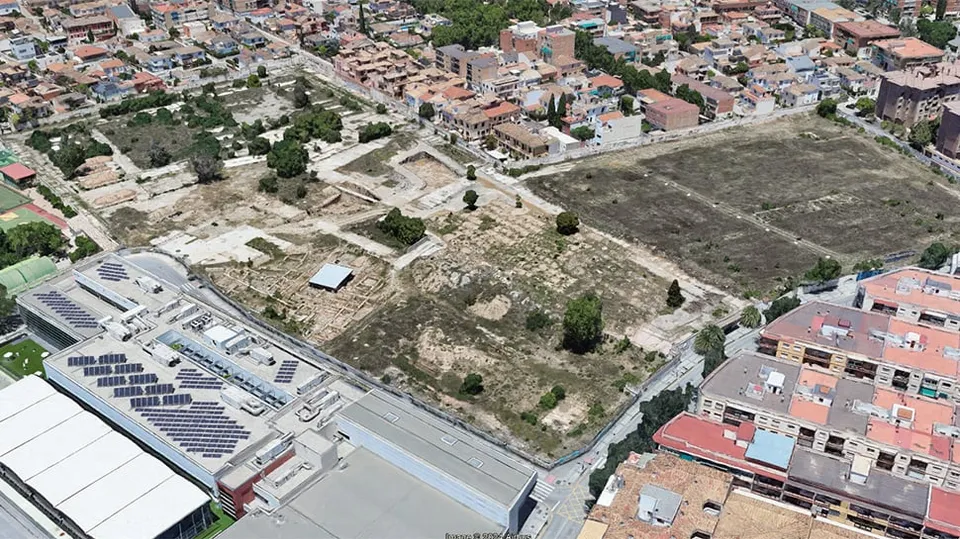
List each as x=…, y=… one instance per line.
x=91, y=479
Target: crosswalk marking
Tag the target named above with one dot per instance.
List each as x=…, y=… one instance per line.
x=541, y=491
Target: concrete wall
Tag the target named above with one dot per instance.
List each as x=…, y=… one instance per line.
x=454, y=489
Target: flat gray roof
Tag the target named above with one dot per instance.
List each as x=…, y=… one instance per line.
x=368, y=499
x=841, y=416
x=441, y=446
x=881, y=489
x=733, y=379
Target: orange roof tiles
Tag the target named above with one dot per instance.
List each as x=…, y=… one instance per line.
x=695, y=484
x=605, y=80
x=884, y=288
x=88, y=51
x=503, y=109
x=927, y=412
x=908, y=47
x=654, y=96
x=615, y=115
x=455, y=92
x=702, y=437
x=808, y=410
x=885, y=433
x=929, y=354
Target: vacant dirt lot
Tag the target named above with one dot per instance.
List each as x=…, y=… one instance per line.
x=465, y=309
x=736, y=208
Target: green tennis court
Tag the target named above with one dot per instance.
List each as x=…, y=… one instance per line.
x=10, y=199
x=16, y=217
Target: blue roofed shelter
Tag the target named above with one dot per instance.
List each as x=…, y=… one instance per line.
x=331, y=277
x=772, y=449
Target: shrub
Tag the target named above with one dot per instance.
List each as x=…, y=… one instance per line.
x=567, y=223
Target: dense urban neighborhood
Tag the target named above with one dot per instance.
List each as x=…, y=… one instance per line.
x=557, y=269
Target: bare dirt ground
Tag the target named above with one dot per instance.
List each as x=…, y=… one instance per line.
x=744, y=209
x=464, y=309
x=424, y=317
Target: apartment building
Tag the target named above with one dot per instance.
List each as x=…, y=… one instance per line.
x=545, y=43
x=521, y=141
x=915, y=295
x=904, y=53
x=672, y=113
x=828, y=488
x=948, y=135
x=454, y=58
x=175, y=15
x=856, y=37
x=80, y=29
x=376, y=65
x=718, y=102
x=906, y=97
x=884, y=350
x=854, y=421
x=825, y=19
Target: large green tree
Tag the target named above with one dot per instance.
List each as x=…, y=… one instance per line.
x=825, y=270
x=937, y=33
x=406, y=230
x=780, y=307
x=39, y=238
x=921, y=134
x=934, y=256
x=289, y=158
x=583, y=323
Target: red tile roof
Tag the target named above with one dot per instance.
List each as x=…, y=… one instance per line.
x=698, y=436
x=607, y=81
x=942, y=511
x=17, y=172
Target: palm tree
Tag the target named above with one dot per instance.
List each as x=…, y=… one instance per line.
x=750, y=317
x=709, y=338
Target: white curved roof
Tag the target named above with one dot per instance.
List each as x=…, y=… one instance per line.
x=94, y=475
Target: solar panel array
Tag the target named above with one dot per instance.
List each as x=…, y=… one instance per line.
x=141, y=402
x=202, y=428
x=81, y=361
x=288, y=368
x=159, y=389
x=194, y=379
x=72, y=313
x=111, y=271
x=112, y=359
x=127, y=368
x=98, y=370
x=128, y=391
x=149, y=378
x=174, y=400
x=110, y=381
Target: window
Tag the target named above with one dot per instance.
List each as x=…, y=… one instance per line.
x=391, y=417
x=475, y=462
